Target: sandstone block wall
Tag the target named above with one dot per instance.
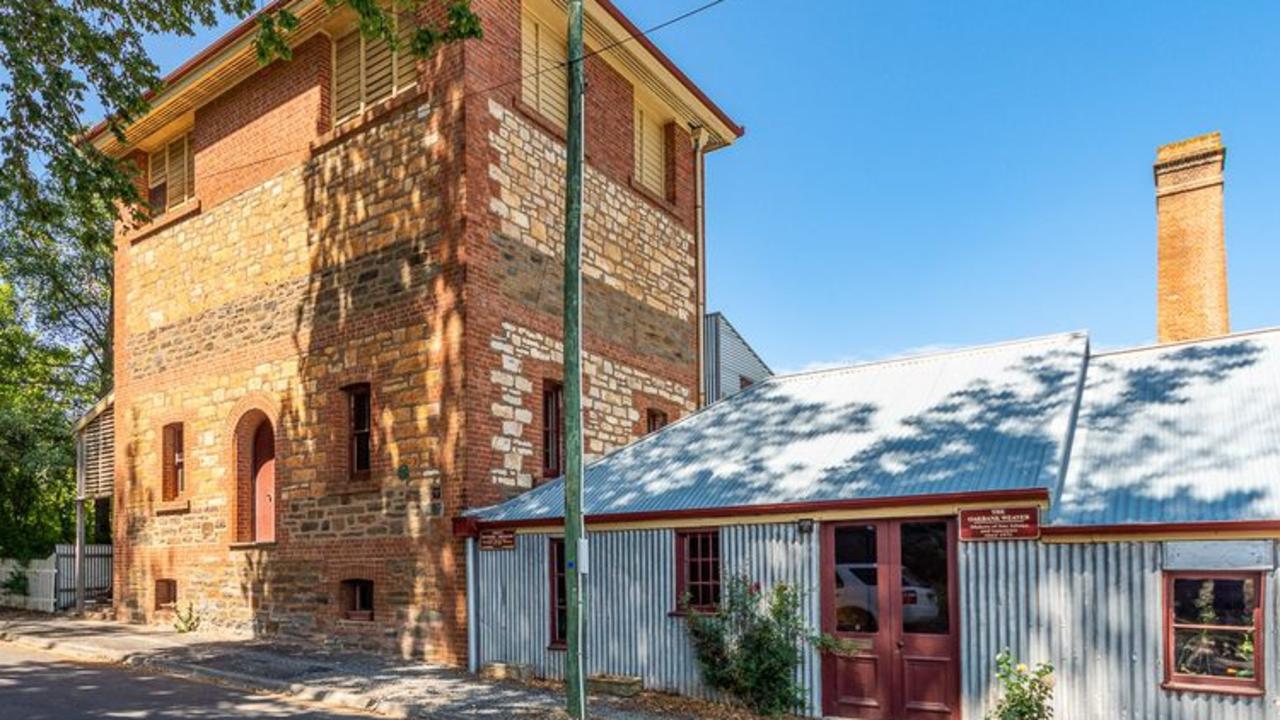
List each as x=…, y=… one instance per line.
x=418, y=250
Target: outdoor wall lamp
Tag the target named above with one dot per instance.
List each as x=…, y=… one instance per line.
x=804, y=527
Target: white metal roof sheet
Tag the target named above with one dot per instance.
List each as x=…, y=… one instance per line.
x=980, y=419
x=1178, y=433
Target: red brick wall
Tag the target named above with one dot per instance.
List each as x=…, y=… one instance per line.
x=262, y=126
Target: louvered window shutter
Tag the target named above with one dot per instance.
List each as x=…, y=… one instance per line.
x=177, y=171
x=191, y=167
x=406, y=63
x=377, y=70
x=346, y=100
x=651, y=155
x=545, y=84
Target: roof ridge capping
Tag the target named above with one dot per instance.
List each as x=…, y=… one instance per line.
x=1184, y=343
x=931, y=355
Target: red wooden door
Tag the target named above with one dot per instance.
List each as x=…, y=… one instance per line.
x=888, y=595
x=264, y=484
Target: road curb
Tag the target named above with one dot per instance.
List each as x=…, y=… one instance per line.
x=328, y=697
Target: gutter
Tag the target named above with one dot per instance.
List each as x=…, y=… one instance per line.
x=472, y=526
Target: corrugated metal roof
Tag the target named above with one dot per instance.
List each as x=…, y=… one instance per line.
x=981, y=419
x=1178, y=433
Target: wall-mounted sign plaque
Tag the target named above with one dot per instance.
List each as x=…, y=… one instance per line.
x=1000, y=524
x=497, y=540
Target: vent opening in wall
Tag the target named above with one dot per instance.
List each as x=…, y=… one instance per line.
x=355, y=598
x=166, y=594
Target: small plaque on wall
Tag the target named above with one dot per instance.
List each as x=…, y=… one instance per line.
x=491, y=540
x=1000, y=524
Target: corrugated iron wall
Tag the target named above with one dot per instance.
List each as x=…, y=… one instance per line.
x=1096, y=612
x=631, y=590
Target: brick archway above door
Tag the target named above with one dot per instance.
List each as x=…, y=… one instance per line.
x=254, y=444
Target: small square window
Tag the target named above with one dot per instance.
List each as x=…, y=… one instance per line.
x=1214, y=631
x=655, y=420
x=698, y=570
x=166, y=594
x=355, y=599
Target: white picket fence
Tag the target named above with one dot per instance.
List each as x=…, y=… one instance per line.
x=41, y=575
x=51, y=581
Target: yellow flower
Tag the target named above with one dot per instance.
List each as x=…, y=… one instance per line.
x=1022, y=668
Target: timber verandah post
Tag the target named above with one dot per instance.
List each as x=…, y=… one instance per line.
x=574, y=540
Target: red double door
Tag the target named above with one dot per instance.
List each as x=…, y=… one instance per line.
x=889, y=598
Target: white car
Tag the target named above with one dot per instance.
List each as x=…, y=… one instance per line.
x=856, y=592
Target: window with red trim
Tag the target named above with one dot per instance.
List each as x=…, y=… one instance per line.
x=655, y=420
x=698, y=570
x=552, y=429
x=559, y=594
x=1214, y=637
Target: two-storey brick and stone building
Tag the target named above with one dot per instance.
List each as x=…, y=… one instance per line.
x=342, y=327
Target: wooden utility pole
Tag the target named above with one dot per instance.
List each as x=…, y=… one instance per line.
x=574, y=539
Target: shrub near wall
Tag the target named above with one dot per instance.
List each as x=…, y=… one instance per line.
x=751, y=648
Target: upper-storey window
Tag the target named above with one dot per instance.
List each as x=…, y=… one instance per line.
x=552, y=429
x=171, y=175
x=366, y=71
x=544, y=78
x=651, y=148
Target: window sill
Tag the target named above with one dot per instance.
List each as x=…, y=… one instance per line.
x=375, y=114
x=357, y=625
x=661, y=202
x=692, y=611
x=173, y=507
x=1223, y=688
x=558, y=647
x=253, y=545
x=355, y=487
x=544, y=123
x=170, y=218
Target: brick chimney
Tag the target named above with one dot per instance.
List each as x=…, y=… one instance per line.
x=1191, y=281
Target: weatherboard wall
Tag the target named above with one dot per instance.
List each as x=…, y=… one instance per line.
x=630, y=589
x=1095, y=612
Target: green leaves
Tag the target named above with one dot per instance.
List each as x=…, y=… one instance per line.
x=60, y=57
x=1027, y=692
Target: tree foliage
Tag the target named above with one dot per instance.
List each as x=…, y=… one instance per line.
x=38, y=392
x=57, y=55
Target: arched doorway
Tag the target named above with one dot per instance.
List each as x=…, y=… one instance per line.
x=255, y=464
x=264, y=483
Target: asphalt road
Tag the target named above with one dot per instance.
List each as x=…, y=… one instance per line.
x=36, y=685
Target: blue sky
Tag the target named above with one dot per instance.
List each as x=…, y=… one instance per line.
x=925, y=174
